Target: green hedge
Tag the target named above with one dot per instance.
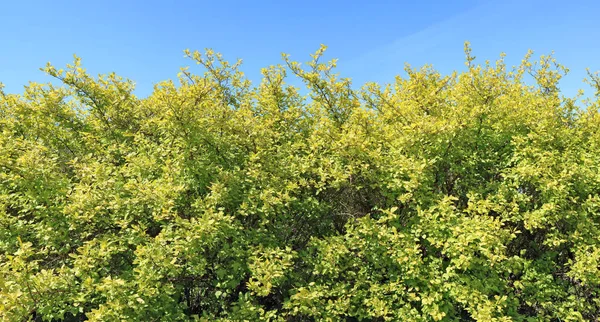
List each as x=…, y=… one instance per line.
x=473, y=196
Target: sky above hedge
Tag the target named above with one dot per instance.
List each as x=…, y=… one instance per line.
x=144, y=40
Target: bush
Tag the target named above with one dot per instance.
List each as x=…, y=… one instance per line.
x=471, y=196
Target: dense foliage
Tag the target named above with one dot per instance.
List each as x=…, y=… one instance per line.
x=471, y=196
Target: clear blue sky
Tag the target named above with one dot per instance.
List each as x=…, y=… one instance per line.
x=143, y=40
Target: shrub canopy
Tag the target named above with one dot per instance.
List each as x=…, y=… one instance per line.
x=470, y=196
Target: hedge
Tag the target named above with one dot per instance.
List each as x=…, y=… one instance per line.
x=473, y=196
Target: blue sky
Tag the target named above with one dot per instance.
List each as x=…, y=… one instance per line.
x=144, y=40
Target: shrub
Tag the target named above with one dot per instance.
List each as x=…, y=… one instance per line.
x=470, y=196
